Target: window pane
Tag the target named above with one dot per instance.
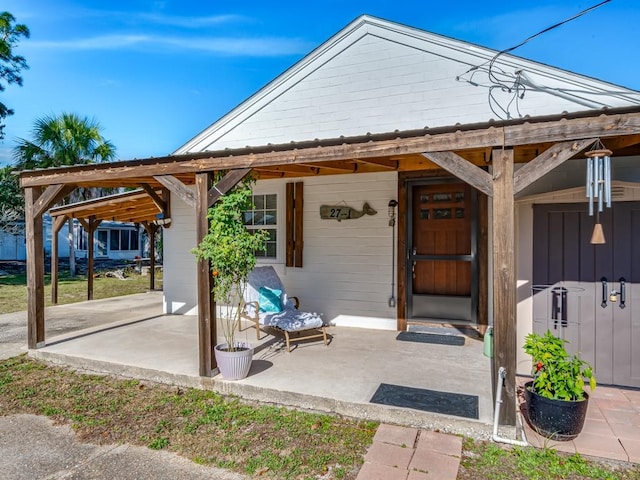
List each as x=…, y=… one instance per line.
x=258, y=201
x=134, y=240
x=248, y=216
x=124, y=239
x=442, y=213
x=271, y=250
x=271, y=217
x=271, y=202
x=114, y=240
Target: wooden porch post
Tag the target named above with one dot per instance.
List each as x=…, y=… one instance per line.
x=151, y=230
x=206, y=303
x=35, y=269
x=90, y=225
x=56, y=225
x=504, y=283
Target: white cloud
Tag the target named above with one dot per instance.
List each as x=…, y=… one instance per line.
x=251, y=47
x=188, y=22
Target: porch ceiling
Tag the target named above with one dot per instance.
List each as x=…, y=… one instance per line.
x=136, y=207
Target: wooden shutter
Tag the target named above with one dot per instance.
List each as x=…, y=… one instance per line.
x=294, y=219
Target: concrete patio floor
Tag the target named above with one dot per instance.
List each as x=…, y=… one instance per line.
x=340, y=378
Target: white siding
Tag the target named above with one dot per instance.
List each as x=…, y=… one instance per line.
x=179, y=264
x=377, y=77
x=347, y=265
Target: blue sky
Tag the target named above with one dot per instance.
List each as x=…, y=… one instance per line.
x=154, y=73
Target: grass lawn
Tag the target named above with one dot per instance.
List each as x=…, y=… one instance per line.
x=264, y=441
x=13, y=289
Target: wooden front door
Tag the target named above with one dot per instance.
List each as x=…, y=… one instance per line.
x=575, y=283
x=442, y=253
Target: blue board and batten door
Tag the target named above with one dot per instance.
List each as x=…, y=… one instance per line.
x=590, y=294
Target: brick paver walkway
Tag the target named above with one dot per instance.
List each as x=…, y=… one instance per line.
x=403, y=453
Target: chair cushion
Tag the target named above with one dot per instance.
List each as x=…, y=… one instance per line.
x=291, y=320
x=269, y=300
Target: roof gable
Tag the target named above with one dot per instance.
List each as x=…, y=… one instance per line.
x=377, y=76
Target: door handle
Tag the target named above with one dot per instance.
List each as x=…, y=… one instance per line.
x=604, y=292
x=623, y=292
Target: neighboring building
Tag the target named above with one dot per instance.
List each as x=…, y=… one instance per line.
x=113, y=240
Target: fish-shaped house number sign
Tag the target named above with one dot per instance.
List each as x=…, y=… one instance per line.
x=344, y=212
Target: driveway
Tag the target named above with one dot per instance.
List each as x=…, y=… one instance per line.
x=63, y=319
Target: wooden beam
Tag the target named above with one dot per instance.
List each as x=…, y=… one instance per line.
x=206, y=303
x=504, y=281
x=547, y=161
x=230, y=180
x=51, y=195
x=384, y=164
x=35, y=269
x=336, y=168
x=57, y=224
x=293, y=170
x=93, y=224
x=178, y=188
x=151, y=229
x=462, y=169
x=157, y=200
x=602, y=126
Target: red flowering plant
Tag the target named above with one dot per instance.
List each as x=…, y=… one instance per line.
x=556, y=374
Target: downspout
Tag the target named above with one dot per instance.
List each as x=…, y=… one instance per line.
x=502, y=373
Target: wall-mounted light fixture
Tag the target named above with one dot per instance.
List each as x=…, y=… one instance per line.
x=162, y=220
x=392, y=212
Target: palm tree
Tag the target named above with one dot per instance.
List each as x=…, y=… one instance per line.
x=65, y=140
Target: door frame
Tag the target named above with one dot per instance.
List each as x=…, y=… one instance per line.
x=405, y=256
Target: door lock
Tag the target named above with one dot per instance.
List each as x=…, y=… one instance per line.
x=613, y=296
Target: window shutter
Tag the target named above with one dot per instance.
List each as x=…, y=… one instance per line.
x=294, y=218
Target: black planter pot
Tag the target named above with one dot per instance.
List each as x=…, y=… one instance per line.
x=555, y=419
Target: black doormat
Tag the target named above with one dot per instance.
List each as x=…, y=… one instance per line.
x=431, y=338
x=457, y=404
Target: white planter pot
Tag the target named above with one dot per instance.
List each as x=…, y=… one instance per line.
x=234, y=365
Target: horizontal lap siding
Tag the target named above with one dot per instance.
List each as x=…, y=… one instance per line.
x=347, y=264
x=376, y=85
x=179, y=264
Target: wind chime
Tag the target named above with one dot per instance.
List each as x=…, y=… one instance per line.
x=598, y=186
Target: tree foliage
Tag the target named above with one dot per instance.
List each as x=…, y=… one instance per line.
x=11, y=203
x=65, y=140
x=10, y=64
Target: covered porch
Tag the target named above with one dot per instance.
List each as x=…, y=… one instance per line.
x=482, y=155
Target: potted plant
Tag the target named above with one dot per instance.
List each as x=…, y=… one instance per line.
x=556, y=399
x=231, y=251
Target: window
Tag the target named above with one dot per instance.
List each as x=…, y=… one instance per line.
x=264, y=216
x=123, y=239
x=81, y=238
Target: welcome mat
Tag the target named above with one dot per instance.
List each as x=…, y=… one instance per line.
x=457, y=404
x=431, y=338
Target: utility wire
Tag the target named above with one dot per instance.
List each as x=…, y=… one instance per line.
x=514, y=85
